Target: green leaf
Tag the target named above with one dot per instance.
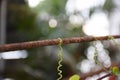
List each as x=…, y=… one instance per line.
x=115, y=70
x=74, y=77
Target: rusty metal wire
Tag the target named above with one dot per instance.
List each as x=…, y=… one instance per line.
x=40, y=43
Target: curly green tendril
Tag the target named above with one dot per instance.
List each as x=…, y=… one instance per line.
x=95, y=57
x=113, y=39
x=115, y=70
x=97, y=61
x=60, y=59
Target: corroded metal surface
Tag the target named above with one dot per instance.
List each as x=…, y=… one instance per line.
x=34, y=44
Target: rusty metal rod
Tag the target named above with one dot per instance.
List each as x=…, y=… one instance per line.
x=40, y=43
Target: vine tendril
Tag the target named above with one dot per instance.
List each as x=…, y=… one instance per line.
x=95, y=53
x=95, y=57
x=115, y=70
x=60, y=59
x=113, y=39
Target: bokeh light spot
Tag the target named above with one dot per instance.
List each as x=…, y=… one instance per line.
x=52, y=23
